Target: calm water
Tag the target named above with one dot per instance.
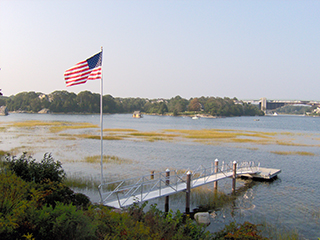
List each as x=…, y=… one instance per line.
x=292, y=201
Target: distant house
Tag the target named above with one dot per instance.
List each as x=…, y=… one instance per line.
x=3, y=111
x=317, y=110
x=136, y=114
x=43, y=96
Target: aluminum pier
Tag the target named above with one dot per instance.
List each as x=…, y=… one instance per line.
x=124, y=193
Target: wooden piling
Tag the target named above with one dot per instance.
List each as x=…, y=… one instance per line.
x=188, y=191
x=216, y=163
x=234, y=176
x=166, y=205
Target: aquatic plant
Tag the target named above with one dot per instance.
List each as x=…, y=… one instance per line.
x=302, y=153
x=77, y=181
x=107, y=159
x=54, y=126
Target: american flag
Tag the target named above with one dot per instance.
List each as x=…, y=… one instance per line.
x=89, y=69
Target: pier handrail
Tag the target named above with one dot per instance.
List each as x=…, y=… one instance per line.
x=140, y=188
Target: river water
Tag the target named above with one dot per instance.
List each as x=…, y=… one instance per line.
x=292, y=201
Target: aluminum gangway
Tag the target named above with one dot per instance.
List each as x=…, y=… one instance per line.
x=119, y=194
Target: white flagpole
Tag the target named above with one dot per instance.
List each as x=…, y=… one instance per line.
x=101, y=121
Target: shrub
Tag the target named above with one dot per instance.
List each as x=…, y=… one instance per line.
x=29, y=170
x=62, y=222
x=235, y=231
x=15, y=199
x=58, y=192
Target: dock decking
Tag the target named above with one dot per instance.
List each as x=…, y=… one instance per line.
x=127, y=192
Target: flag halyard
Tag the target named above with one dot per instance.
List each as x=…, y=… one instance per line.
x=90, y=69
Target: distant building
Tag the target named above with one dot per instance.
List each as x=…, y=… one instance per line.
x=3, y=111
x=136, y=114
x=42, y=96
x=263, y=104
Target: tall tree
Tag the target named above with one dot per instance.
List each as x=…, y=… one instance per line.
x=194, y=105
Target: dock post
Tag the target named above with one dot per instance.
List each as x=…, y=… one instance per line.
x=188, y=191
x=216, y=163
x=152, y=175
x=166, y=205
x=234, y=176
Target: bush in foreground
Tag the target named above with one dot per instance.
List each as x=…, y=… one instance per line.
x=30, y=170
x=40, y=206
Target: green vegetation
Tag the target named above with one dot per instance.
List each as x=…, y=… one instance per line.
x=294, y=109
x=107, y=159
x=81, y=182
x=35, y=203
x=302, y=153
x=29, y=170
x=235, y=231
x=87, y=102
x=40, y=206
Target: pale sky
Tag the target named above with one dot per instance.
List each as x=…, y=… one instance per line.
x=160, y=49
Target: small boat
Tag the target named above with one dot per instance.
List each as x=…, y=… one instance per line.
x=137, y=114
x=256, y=119
x=195, y=117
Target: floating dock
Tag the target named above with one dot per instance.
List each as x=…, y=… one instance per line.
x=263, y=174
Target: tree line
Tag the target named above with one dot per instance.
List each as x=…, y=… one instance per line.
x=88, y=102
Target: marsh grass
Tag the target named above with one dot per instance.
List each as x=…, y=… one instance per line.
x=153, y=134
x=97, y=137
x=223, y=134
x=302, y=153
x=252, y=148
x=279, y=232
x=34, y=123
x=71, y=125
x=20, y=149
x=247, y=140
x=153, y=139
x=119, y=130
x=107, y=159
x=203, y=136
x=81, y=182
x=206, y=198
x=3, y=153
x=54, y=126
x=289, y=143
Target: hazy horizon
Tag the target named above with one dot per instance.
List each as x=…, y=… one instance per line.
x=160, y=49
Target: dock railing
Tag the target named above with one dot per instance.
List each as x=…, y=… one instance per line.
x=139, y=189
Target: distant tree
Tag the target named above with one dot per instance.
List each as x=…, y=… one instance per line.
x=162, y=108
x=3, y=101
x=194, y=105
x=88, y=102
x=62, y=101
x=26, y=101
x=155, y=107
x=177, y=104
x=109, y=104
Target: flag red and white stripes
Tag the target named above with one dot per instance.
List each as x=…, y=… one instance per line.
x=89, y=69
